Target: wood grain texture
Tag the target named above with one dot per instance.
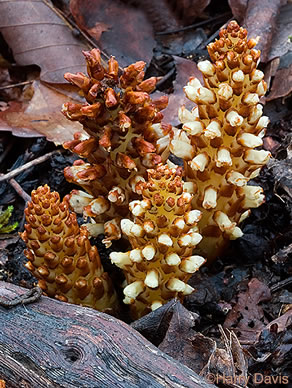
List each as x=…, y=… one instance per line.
x=55, y=344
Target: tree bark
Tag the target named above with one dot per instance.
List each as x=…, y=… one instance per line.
x=54, y=344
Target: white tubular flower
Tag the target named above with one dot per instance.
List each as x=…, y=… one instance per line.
x=134, y=289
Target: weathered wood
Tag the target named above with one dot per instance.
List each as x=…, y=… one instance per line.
x=55, y=344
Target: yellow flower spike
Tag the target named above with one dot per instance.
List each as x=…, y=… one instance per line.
x=219, y=145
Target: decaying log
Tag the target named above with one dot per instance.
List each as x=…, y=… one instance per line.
x=54, y=344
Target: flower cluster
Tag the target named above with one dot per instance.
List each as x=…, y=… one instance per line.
x=173, y=218
x=60, y=255
x=220, y=136
x=163, y=235
x=125, y=138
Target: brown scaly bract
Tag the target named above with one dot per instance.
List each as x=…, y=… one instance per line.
x=125, y=137
x=60, y=255
x=219, y=138
x=163, y=236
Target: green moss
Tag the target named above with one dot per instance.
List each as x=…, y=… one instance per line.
x=4, y=219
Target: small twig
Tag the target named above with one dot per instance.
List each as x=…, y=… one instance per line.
x=281, y=284
x=28, y=165
x=165, y=77
x=196, y=25
x=23, y=194
x=15, y=85
x=28, y=297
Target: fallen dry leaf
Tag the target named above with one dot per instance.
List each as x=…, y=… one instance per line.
x=168, y=15
x=282, y=84
x=183, y=343
x=268, y=19
x=247, y=318
x=130, y=35
x=280, y=324
x=260, y=20
x=40, y=116
x=37, y=35
x=238, y=8
x=154, y=325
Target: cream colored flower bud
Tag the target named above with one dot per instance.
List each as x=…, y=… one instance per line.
x=185, y=115
x=261, y=88
x=196, y=238
x=172, y=259
x=181, y=146
x=185, y=240
x=244, y=216
x=257, y=157
x=187, y=197
x=213, y=130
x=191, y=92
x=192, y=263
x=135, y=183
x=256, y=114
x=236, y=178
x=164, y=239
x=192, y=217
x=148, y=252
x=254, y=196
x=157, y=128
x=190, y=187
x=223, y=158
x=120, y=259
x=263, y=122
x=79, y=199
x=207, y=68
x=234, y=119
x=155, y=305
x=152, y=279
x=223, y=221
x=149, y=226
x=255, y=173
x=250, y=99
x=195, y=83
x=225, y=91
x=238, y=76
x=179, y=223
x=176, y=285
x=210, y=198
x=194, y=127
x=94, y=229
x=136, y=256
x=188, y=290
x=257, y=76
x=116, y=194
x=236, y=233
x=197, y=93
x=249, y=140
x=199, y=162
x=98, y=206
x=128, y=300
x=136, y=208
x=134, y=289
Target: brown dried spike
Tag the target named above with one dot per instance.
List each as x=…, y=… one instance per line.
x=113, y=68
x=126, y=113
x=94, y=66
